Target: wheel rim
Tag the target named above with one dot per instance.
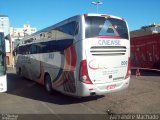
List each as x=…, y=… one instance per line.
x=48, y=86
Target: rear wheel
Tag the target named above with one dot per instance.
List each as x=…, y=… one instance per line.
x=19, y=72
x=48, y=84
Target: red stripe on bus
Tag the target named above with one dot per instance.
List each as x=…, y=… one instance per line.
x=66, y=68
x=67, y=59
x=113, y=37
x=65, y=77
x=74, y=58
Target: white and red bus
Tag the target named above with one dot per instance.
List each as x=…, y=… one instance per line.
x=3, y=79
x=84, y=55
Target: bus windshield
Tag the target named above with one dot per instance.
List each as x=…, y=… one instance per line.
x=2, y=56
x=2, y=65
x=101, y=26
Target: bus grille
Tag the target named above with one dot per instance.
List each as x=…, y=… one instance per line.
x=108, y=50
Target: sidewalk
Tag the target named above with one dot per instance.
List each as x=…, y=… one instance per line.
x=11, y=69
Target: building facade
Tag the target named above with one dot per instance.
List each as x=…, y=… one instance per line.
x=4, y=24
x=13, y=36
x=146, y=30
x=19, y=33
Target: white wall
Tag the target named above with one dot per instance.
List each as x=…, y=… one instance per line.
x=7, y=46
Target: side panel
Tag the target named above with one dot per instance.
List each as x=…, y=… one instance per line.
x=65, y=79
x=3, y=79
x=56, y=56
x=3, y=83
x=145, y=51
x=138, y=53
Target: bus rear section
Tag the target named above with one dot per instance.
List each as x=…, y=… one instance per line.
x=105, y=65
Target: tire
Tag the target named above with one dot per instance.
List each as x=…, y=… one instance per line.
x=48, y=84
x=19, y=72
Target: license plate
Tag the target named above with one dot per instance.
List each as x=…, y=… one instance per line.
x=111, y=87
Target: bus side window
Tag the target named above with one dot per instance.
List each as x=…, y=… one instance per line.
x=33, y=49
x=76, y=28
x=21, y=50
x=28, y=49
x=70, y=28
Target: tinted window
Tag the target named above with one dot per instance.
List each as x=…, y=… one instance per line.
x=2, y=63
x=101, y=26
x=69, y=28
x=2, y=55
x=45, y=47
x=1, y=38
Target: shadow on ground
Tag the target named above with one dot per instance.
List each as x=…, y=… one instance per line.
x=145, y=72
x=29, y=89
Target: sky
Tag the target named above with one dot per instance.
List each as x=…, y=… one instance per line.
x=44, y=13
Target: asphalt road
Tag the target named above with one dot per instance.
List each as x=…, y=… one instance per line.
x=29, y=99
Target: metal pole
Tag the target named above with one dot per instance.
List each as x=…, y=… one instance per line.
x=97, y=3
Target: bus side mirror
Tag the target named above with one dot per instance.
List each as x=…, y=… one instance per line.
x=14, y=52
x=7, y=37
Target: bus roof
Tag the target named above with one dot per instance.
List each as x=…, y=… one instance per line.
x=103, y=15
x=86, y=14
x=56, y=25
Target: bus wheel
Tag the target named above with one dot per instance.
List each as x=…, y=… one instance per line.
x=48, y=84
x=19, y=72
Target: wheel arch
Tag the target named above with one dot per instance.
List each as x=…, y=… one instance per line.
x=48, y=83
x=45, y=74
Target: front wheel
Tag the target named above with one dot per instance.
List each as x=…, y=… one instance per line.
x=48, y=84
